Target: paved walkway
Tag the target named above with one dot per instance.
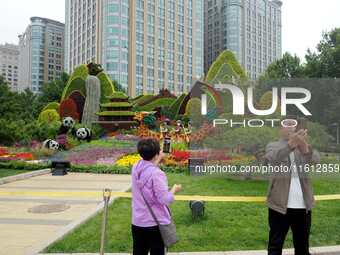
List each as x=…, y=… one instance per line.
x=29, y=223
x=331, y=250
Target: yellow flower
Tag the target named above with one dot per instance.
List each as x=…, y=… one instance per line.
x=128, y=160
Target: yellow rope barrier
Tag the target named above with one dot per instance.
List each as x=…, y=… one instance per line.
x=99, y=194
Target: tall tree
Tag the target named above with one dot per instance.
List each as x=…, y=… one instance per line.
x=285, y=68
x=51, y=92
x=326, y=61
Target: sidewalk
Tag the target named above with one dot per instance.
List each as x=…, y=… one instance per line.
x=29, y=223
x=330, y=250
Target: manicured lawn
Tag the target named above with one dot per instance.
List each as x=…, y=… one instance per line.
x=225, y=226
x=10, y=172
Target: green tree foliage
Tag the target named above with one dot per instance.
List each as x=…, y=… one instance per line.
x=285, y=68
x=50, y=92
x=19, y=112
x=323, y=63
x=326, y=61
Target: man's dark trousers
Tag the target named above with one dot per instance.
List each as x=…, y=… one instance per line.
x=299, y=220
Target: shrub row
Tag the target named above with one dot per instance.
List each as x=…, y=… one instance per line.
x=96, y=169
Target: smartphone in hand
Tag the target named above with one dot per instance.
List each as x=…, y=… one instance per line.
x=166, y=144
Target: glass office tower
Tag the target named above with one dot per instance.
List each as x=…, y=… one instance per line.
x=145, y=45
x=249, y=28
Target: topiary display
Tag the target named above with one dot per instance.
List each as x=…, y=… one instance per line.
x=94, y=69
x=79, y=99
x=68, y=108
x=107, y=87
x=52, y=106
x=175, y=106
x=48, y=116
x=150, y=121
x=92, y=101
x=225, y=69
x=76, y=82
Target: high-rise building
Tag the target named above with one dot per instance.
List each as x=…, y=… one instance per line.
x=249, y=28
x=9, y=64
x=41, y=53
x=145, y=45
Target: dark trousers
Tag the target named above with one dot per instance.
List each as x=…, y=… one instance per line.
x=299, y=220
x=147, y=239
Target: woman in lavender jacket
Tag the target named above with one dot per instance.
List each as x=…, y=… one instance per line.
x=148, y=178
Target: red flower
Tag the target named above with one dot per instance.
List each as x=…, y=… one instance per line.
x=3, y=151
x=180, y=155
x=24, y=156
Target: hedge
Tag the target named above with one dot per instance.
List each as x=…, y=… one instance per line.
x=114, y=169
x=96, y=169
x=22, y=165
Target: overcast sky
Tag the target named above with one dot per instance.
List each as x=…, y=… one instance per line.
x=303, y=20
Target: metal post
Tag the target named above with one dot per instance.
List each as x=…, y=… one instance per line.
x=337, y=134
x=106, y=197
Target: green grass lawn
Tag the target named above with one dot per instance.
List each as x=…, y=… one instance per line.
x=10, y=172
x=225, y=226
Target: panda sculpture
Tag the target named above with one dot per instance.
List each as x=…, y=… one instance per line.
x=82, y=134
x=67, y=124
x=51, y=144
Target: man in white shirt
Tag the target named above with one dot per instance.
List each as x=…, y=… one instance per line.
x=290, y=197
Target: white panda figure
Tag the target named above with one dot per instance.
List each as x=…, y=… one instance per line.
x=84, y=134
x=67, y=124
x=51, y=144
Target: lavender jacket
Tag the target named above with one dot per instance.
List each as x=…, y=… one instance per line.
x=153, y=182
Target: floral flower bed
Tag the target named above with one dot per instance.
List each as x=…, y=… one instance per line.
x=97, y=156
x=128, y=160
x=5, y=155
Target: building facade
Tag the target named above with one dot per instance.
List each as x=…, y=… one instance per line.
x=249, y=28
x=9, y=65
x=145, y=45
x=41, y=53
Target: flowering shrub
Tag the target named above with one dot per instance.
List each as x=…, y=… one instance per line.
x=128, y=160
x=180, y=155
x=16, y=156
x=171, y=162
x=3, y=151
